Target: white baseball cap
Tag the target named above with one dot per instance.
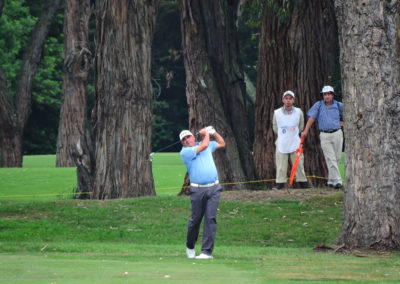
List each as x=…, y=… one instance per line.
x=327, y=89
x=184, y=133
x=288, y=93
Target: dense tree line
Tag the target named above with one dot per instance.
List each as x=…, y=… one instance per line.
x=168, y=74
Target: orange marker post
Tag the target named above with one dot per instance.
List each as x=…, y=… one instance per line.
x=299, y=151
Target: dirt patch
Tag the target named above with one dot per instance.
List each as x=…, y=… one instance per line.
x=289, y=194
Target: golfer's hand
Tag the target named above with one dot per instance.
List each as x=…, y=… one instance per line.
x=203, y=132
x=210, y=130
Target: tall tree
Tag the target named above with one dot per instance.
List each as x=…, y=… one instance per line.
x=371, y=92
x=215, y=89
x=15, y=113
x=76, y=70
x=297, y=52
x=122, y=116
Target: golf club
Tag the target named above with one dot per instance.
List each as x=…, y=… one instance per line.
x=166, y=147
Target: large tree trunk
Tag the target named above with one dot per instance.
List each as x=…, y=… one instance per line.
x=297, y=52
x=83, y=156
x=7, y=119
x=76, y=70
x=10, y=154
x=122, y=116
x=398, y=33
x=14, y=118
x=371, y=92
x=215, y=89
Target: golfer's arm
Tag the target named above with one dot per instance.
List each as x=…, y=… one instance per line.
x=204, y=144
x=220, y=141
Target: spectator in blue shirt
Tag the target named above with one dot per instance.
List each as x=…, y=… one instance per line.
x=205, y=189
x=329, y=114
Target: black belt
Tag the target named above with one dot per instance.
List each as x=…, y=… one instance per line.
x=330, y=131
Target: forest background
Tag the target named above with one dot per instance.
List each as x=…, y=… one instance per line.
x=168, y=73
x=170, y=112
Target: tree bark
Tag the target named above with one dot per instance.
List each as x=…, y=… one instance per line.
x=122, y=116
x=296, y=53
x=7, y=118
x=371, y=92
x=398, y=33
x=215, y=90
x=8, y=145
x=76, y=56
x=15, y=116
x=83, y=157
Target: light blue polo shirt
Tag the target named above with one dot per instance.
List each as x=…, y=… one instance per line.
x=201, y=167
x=328, y=118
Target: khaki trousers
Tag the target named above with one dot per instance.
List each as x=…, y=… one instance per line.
x=331, y=144
x=281, y=160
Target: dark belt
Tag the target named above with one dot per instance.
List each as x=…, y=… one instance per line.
x=330, y=131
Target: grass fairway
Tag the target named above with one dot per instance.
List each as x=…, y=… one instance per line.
x=47, y=237
x=39, y=179
x=167, y=265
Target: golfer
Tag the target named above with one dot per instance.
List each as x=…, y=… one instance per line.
x=205, y=189
x=329, y=114
x=288, y=121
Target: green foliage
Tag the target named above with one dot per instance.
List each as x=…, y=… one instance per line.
x=47, y=91
x=281, y=9
x=162, y=128
x=248, y=26
x=16, y=24
x=253, y=13
x=253, y=10
x=168, y=73
x=169, y=79
x=41, y=132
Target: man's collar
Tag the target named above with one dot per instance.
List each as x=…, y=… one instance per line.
x=285, y=111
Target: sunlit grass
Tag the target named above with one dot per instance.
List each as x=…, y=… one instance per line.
x=158, y=264
x=40, y=179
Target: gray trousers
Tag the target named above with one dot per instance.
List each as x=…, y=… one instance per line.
x=204, y=201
